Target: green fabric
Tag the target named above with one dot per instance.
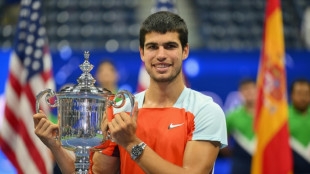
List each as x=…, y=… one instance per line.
x=299, y=125
x=242, y=121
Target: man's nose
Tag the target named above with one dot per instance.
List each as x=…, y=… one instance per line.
x=161, y=54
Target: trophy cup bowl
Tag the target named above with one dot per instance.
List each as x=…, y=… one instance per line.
x=80, y=110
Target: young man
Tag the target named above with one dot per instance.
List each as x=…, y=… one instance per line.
x=240, y=127
x=173, y=129
x=299, y=124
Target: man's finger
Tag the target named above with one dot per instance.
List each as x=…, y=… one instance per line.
x=41, y=112
x=111, y=127
x=119, y=119
x=40, y=124
x=52, y=128
x=104, y=115
x=114, y=124
x=45, y=126
x=37, y=117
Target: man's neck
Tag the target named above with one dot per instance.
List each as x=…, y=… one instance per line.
x=111, y=88
x=301, y=111
x=250, y=108
x=160, y=95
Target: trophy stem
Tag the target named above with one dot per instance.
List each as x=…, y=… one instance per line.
x=82, y=159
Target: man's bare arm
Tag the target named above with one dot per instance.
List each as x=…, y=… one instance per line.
x=199, y=158
x=65, y=160
x=46, y=131
x=105, y=164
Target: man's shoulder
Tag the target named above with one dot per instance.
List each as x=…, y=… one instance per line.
x=196, y=101
x=202, y=100
x=194, y=95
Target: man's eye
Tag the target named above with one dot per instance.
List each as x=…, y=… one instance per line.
x=170, y=46
x=152, y=47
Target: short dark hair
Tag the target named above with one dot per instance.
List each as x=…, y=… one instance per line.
x=301, y=80
x=246, y=81
x=106, y=61
x=163, y=22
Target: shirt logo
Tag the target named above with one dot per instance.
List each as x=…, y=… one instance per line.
x=171, y=126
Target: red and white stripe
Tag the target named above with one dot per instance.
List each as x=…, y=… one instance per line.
x=17, y=139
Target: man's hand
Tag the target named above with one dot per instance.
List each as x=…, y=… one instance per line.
x=45, y=130
x=123, y=128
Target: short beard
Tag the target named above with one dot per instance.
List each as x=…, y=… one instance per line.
x=301, y=109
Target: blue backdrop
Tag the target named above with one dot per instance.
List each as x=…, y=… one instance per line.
x=219, y=72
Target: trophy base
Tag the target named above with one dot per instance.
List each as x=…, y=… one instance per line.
x=82, y=154
x=82, y=159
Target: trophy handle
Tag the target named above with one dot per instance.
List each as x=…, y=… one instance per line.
x=121, y=94
x=49, y=93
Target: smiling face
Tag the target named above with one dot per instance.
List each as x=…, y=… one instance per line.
x=163, y=56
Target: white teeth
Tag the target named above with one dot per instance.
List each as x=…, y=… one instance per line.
x=161, y=66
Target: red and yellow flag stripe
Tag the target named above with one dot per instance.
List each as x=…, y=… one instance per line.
x=273, y=154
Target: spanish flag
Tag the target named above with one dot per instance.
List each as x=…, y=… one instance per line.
x=273, y=154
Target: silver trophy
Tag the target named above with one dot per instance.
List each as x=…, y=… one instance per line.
x=80, y=111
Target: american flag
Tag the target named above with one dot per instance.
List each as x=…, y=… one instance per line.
x=30, y=72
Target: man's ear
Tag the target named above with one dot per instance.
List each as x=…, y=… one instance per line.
x=141, y=50
x=185, y=51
